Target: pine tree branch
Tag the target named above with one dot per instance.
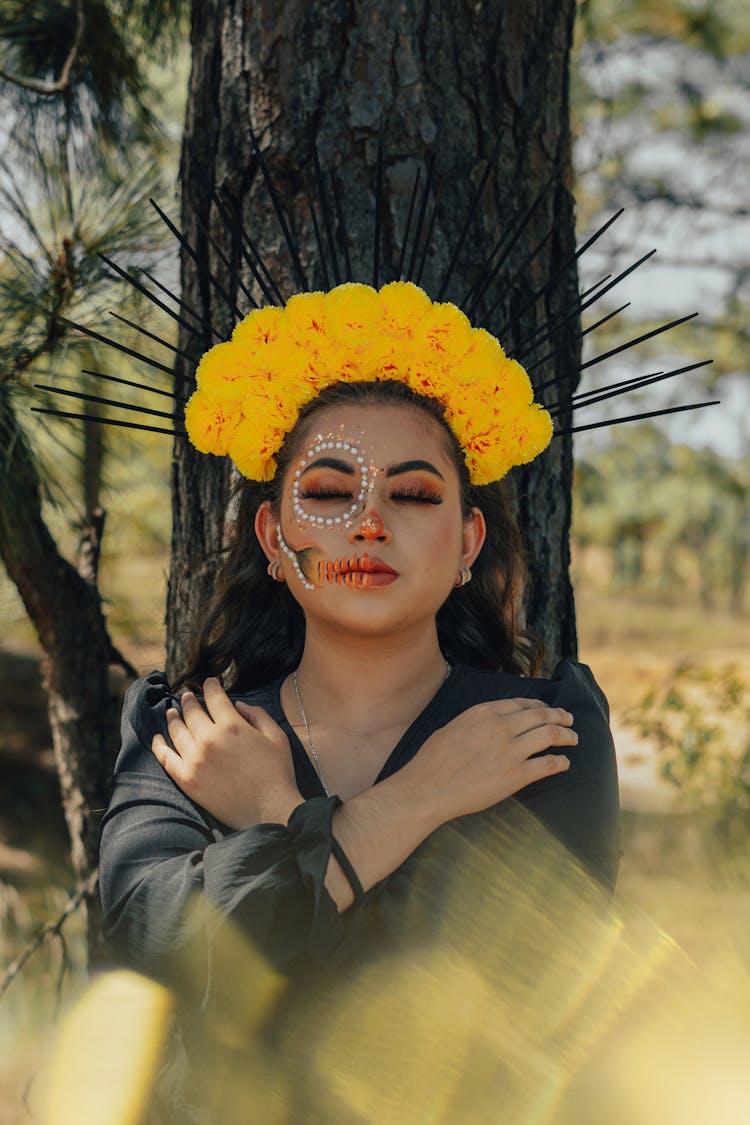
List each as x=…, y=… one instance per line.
x=52, y=929
x=51, y=89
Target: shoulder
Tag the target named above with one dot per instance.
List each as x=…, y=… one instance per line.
x=570, y=683
x=148, y=699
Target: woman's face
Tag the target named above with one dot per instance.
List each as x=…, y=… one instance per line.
x=371, y=534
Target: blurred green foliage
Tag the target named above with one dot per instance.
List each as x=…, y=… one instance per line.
x=672, y=516
x=698, y=721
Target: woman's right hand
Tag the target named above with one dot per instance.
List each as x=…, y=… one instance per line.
x=486, y=754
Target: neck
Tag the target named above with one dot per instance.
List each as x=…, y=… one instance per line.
x=368, y=683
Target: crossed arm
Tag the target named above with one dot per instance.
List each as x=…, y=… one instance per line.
x=234, y=761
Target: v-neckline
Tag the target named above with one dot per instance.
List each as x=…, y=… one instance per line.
x=299, y=752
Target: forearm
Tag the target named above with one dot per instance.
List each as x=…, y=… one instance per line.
x=378, y=829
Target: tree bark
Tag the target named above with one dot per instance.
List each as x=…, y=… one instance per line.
x=65, y=607
x=455, y=78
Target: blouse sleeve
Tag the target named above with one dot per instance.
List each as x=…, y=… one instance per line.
x=581, y=806
x=158, y=848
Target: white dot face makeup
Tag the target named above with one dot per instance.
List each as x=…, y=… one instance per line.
x=313, y=483
x=362, y=489
x=332, y=452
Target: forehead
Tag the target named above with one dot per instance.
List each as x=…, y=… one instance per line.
x=387, y=434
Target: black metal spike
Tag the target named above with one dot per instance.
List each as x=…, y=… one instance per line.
x=319, y=240
x=144, y=332
x=104, y=401
x=265, y=281
x=107, y=421
x=194, y=255
x=183, y=305
x=155, y=300
x=581, y=306
x=115, y=344
x=276, y=203
x=378, y=198
x=343, y=236
x=130, y=383
x=323, y=199
x=545, y=331
x=552, y=281
x=578, y=336
x=426, y=243
x=469, y=216
x=624, y=386
x=407, y=228
x=488, y=315
x=420, y=216
x=490, y=272
x=635, y=417
x=637, y=340
x=232, y=271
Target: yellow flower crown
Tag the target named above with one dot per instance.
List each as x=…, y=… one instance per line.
x=251, y=389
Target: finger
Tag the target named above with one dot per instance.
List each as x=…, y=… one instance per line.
x=194, y=715
x=167, y=758
x=258, y=718
x=218, y=703
x=509, y=706
x=534, y=717
x=545, y=766
x=182, y=739
x=545, y=737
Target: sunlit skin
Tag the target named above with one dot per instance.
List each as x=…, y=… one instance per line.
x=405, y=546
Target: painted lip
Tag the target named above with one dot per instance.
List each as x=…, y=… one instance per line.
x=358, y=570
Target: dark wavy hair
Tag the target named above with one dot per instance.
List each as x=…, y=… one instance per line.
x=254, y=631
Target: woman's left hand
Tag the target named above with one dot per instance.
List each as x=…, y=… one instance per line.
x=231, y=758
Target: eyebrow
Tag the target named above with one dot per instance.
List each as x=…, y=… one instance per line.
x=393, y=471
x=330, y=463
x=409, y=466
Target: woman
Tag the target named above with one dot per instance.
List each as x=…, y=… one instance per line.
x=361, y=680
x=375, y=693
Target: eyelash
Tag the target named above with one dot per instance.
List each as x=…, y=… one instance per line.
x=420, y=496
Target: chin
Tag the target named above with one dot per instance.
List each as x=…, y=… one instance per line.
x=374, y=613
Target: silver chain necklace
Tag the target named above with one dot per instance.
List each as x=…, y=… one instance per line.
x=313, y=751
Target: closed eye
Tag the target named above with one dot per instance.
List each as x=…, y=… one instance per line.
x=418, y=495
x=324, y=494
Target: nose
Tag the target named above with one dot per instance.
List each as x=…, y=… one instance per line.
x=370, y=528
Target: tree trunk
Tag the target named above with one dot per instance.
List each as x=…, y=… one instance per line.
x=65, y=607
x=454, y=78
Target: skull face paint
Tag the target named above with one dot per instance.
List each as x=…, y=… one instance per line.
x=340, y=485
x=309, y=562
x=323, y=454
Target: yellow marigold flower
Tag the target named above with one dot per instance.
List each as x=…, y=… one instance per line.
x=352, y=312
x=483, y=358
x=259, y=328
x=252, y=388
x=427, y=377
x=223, y=370
x=210, y=422
x=255, y=442
x=402, y=306
x=444, y=331
x=304, y=316
x=514, y=384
